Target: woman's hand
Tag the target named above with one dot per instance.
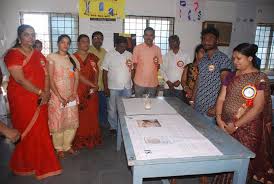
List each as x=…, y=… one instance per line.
x=221, y=124
x=95, y=89
x=45, y=96
x=63, y=101
x=230, y=128
x=72, y=97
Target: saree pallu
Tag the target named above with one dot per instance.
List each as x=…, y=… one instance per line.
x=34, y=154
x=88, y=133
x=256, y=134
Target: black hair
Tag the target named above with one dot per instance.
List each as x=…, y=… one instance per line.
x=174, y=38
x=37, y=42
x=82, y=36
x=120, y=39
x=20, y=30
x=149, y=29
x=248, y=50
x=97, y=33
x=70, y=58
x=210, y=30
x=197, y=49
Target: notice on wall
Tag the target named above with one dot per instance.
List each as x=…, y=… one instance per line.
x=190, y=10
x=102, y=9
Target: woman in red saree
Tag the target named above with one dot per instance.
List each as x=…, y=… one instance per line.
x=28, y=94
x=88, y=133
x=244, y=110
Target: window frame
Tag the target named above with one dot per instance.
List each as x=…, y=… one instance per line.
x=148, y=19
x=50, y=34
x=268, y=64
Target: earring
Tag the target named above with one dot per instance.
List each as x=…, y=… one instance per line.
x=19, y=41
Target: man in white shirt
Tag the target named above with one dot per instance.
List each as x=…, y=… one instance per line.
x=117, y=67
x=172, y=69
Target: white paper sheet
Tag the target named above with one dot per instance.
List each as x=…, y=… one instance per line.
x=135, y=106
x=70, y=104
x=167, y=136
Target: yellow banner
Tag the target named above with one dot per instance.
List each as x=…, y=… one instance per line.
x=105, y=9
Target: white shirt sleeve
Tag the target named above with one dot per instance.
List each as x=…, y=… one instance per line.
x=163, y=68
x=106, y=61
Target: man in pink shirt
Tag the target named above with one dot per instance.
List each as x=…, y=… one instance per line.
x=147, y=58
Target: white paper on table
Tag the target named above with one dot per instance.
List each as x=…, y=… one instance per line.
x=135, y=106
x=167, y=136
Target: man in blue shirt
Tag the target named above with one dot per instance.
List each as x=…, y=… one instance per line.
x=213, y=66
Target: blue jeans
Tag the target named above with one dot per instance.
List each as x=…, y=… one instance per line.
x=112, y=105
x=140, y=91
x=102, y=109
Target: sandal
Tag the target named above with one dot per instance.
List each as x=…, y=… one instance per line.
x=72, y=152
x=60, y=154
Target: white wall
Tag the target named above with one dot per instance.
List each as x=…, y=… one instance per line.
x=188, y=32
x=9, y=13
x=133, y=7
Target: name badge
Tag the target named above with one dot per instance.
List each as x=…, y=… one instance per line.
x=211, y=67
x=249, y=93
x=180, y=64
x=71, y=72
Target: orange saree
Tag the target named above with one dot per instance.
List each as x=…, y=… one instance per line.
x=88, y=133
x=34, y=154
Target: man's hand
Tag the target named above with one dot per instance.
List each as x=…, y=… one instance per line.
x=12, y=134
x=107, y=92
x=177, y=83
x=170, y=85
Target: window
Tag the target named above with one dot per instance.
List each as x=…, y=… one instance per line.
x=164, y=27
x=264, y=40
x=48, y=26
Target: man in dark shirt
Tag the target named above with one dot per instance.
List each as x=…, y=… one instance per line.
x=212, y=67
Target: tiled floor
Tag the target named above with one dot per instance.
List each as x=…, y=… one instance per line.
x=102, y=165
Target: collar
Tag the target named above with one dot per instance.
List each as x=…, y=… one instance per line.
x=214, y=54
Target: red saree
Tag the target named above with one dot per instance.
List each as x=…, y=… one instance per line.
x=34, y=154
x=88, y=133
x=256, y=134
